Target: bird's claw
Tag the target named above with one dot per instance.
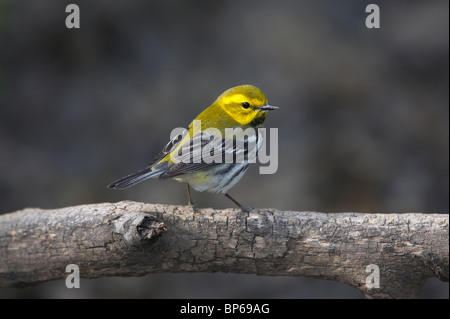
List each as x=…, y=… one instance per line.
x=247, y=209
x=191, y=206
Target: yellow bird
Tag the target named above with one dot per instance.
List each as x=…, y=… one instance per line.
x=205, y=157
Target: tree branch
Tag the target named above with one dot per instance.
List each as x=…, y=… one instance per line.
x=134, y=239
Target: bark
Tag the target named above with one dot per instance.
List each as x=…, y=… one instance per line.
x=134, y=239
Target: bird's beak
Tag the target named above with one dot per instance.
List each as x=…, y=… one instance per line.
x=268, y=107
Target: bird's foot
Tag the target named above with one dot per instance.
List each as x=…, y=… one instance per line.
x=247, y=209
x=191, y=206
x=244, y=210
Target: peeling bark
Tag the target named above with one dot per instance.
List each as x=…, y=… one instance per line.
x=134, y=239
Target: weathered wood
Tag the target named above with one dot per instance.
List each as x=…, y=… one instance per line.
x=134, y=239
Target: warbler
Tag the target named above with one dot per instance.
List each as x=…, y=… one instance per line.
x=199, y=156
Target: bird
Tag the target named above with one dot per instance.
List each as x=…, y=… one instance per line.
x=213, y=166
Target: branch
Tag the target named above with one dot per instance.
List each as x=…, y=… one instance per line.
x=134, y=239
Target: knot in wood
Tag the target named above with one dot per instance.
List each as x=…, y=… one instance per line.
x=149, y=228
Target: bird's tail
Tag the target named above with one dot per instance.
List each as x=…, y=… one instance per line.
x=135, y=178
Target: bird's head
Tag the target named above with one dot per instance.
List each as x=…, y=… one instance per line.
x=245, y=104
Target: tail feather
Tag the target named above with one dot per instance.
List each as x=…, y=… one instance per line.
x=135, y=178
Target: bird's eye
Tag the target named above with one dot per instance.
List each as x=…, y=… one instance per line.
x=245, y=105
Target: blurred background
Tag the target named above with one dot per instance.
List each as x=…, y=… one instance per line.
x=363, y=122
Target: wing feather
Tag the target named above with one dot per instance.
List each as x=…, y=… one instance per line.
x=206, y=151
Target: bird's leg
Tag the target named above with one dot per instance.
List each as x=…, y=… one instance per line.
x=244, y=209
x=190, y=203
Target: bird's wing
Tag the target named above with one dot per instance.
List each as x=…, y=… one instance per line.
x=173, y=143
x=204, y=151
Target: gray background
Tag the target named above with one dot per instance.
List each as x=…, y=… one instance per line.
x=363, y=120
